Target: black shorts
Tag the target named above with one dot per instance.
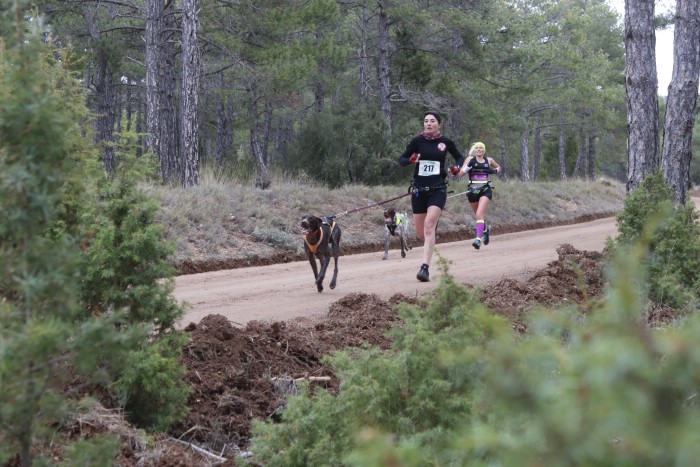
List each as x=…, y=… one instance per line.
x=474, y=197
x=421, y=200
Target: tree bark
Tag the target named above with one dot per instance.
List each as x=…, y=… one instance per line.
x=591, y=157
x=641, y=83
x=562, y=151
x=258, y=142
x=190, y=95
x=154, y=30
x=384, y=67
x=362, y=55
x=103, y=83
x=524, y=156
x=580, y=166
x=169, y=131
x=224, y=128
x=682, y=99
x=504, y=155
x=537, y=150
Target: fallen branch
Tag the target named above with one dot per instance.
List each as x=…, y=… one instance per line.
x=199, y=450
x=304, y=378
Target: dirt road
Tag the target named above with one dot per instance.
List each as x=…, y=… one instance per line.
x=284, y=291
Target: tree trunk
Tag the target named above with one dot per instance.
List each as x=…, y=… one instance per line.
x=224, y=128
x=580, y=166
x=283, y=135
x=562, y=152
x=504, y=154
x=190, y=95
x=537, y=153
x=682, y=99
x=591, y=157
x=363, y=59
x=320, y=89
x=384, y=85
x=140, y=122
x=154, y=31
x=104, y=121
x=257, y=140
x=524, y=156
x=103, y=83
x=641, y=84
x=169, y=134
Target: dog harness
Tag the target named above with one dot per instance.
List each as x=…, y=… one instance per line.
x=398, y=220
x=314, y=246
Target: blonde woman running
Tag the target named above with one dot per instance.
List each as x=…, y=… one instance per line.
x=480, y=193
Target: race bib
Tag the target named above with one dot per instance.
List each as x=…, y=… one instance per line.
x=427, y=168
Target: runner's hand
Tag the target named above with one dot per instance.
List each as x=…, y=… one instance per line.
x=454, y=171
x=414, y=158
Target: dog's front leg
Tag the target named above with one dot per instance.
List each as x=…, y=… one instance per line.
x=312, y=261
x=387, y=238
x=335, y=271
x=403, y=237
x=325, y=259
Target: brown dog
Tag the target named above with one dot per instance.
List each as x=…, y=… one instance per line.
x=321, y=240
x=396, y=225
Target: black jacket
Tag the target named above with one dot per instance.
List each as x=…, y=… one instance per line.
x=431, y=151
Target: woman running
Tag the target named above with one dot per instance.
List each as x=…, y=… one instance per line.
x=428, y=152
x=480, y=193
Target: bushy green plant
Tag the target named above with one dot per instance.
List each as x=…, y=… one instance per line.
x=150, y=387
x=673, y=261
x=652, y=197
x=126, y=264
x=126, y=273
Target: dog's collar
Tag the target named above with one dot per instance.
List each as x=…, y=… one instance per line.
x=313, y=246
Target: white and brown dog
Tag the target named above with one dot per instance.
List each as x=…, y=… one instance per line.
x=396, y=225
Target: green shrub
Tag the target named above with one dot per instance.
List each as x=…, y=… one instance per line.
x=150, y=384
x=674, y=265
x=126, y=264
x=673, y=261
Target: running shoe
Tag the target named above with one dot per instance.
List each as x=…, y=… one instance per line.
x=486, y=234
x=423, y=274
x=476, y=243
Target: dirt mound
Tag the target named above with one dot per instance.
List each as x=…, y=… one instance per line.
x=575, y=277
x=243, y=374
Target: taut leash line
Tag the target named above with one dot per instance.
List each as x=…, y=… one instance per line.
x=372, y=205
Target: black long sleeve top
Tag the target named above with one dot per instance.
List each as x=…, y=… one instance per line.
x=431, y=169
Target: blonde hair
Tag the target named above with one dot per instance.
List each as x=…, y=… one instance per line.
x=477, y=145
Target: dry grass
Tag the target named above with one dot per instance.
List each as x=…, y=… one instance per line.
x=221, y=218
